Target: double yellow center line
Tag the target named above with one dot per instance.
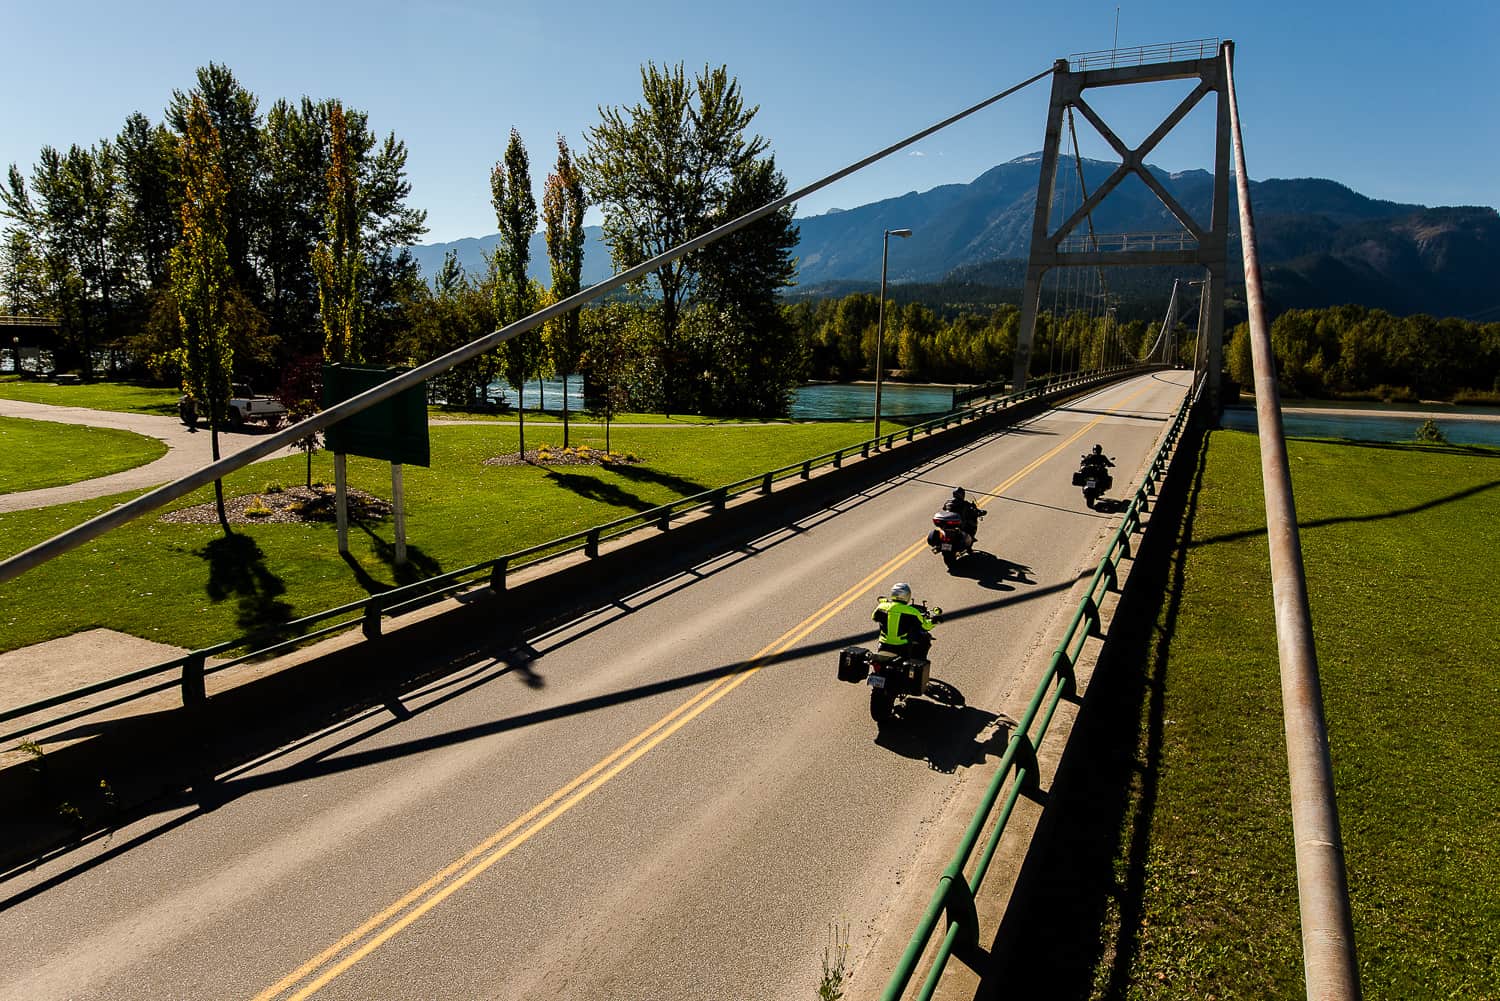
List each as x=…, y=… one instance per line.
x=318, y=971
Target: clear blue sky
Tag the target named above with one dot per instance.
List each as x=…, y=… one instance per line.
x=1388, y=98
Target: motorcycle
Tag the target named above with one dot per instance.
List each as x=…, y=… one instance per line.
x=1093, y=476
x=951, y=537
x=891, y=676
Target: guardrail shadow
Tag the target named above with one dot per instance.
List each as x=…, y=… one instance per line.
x=1070, y=909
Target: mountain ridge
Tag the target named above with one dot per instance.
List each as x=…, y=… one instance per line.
x=1321, y=242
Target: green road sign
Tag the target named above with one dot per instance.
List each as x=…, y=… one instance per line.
x=394, y=429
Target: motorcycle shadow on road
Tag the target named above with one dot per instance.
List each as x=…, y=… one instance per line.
x=991, y=571
x=944, y=730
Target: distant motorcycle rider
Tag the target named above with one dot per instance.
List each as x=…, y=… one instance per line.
x=1096, y=459
x=965, y=509
x=904, y=625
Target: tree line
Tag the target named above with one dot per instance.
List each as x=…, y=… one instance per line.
x=1358, y=351
x=90, y=234
x=315, y=228
x=225, y=241
x=837, y=340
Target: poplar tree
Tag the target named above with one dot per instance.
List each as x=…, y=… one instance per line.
x=514, y=295
x=201, y=278
x=563, y=204
x=337, y=261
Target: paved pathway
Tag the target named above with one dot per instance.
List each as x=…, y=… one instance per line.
x=187, y=451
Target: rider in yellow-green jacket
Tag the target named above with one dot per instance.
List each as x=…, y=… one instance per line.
x=903, y=625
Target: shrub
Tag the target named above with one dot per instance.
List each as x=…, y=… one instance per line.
x=258, y=508
x=1430, y=432
x=271, y=488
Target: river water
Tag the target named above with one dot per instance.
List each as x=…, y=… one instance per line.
x=1461, y=429
x=824, y=401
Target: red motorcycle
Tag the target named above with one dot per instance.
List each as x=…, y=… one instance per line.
x=951, y=537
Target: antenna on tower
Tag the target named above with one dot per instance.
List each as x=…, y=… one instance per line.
x=1117, y=29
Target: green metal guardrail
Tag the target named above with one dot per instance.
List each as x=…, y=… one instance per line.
x=1018, y=767
x=368, y=613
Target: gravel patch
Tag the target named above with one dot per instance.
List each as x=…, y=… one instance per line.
x=291, y=506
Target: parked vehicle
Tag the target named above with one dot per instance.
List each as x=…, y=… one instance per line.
x=244, y=407
x=1093, y=476
x=951, y=537
x=892, y=677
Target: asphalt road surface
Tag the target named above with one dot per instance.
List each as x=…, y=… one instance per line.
x=672, y=797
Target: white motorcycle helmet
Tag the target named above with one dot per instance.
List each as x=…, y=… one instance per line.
x=901, y=592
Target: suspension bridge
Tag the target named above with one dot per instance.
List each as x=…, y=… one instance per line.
x=669, y=791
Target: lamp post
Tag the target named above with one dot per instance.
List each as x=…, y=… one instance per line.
x=885, y=249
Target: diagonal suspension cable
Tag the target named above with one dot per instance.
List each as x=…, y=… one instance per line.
x=115, y=517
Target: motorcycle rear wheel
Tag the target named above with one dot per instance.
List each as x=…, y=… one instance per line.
x=882, y=706
x=949, y=558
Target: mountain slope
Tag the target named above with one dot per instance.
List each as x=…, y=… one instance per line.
x=1321, y=243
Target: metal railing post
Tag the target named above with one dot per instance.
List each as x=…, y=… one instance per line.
x=194, y=692
x=371, y=623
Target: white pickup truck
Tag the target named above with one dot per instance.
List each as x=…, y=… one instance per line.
x=244, y=406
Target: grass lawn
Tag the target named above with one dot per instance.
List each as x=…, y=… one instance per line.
x=1402, y=545
x=180, y=584
x=118, y=396
x=36, y=454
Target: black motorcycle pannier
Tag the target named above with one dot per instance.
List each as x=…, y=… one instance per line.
x=853, y=664
x=919, y=671
x=1079, y=476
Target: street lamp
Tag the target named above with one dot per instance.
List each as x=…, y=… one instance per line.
x=885, y=249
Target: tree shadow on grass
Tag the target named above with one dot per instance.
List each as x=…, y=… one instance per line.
x=1399, y=512
x=681, y=484
x=237, y=569
x=593, y=488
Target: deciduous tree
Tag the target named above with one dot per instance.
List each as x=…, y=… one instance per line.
x=662, y=170
x=201, y=278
